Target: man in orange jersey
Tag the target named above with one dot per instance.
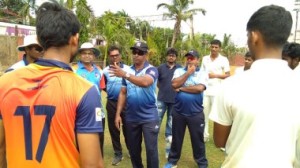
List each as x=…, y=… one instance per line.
x=50, y=117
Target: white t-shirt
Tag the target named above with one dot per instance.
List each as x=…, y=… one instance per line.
x=297, y=70
x=220, y=65
x=262, y=107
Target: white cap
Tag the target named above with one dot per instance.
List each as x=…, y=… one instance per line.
x=28, y=41
x=88, y=45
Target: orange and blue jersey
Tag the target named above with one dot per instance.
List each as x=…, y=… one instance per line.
x=43, y=106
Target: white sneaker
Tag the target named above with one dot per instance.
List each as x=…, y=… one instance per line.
x=168, y=146
x=206, y=139
x=222, y=149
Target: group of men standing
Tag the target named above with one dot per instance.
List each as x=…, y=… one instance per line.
x=38, y=129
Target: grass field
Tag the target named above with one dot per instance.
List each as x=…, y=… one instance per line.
x=214, y=155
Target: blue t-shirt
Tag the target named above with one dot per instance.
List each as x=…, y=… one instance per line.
x=166, y=92
x=141, y=102
x=190, y=104
x=113, y=83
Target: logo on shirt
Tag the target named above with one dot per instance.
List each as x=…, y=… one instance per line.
x=152, y=72
x=98, y=114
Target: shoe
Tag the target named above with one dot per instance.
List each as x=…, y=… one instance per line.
x=168, y=146
x=222, y=149
x=170, y=165
x=117, y=160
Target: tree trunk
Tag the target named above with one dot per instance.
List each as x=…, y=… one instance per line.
x=176, y=32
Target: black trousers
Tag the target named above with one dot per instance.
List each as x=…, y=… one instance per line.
x=195, y=125
x=111, y=108
x=136, y=132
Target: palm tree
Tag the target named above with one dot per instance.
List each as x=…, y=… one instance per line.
x=179, y=11
x=84, y=14
x=25, y=11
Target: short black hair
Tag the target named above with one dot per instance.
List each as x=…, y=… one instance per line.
x=217, y=42
x=273, y=22
x=112, y=48
x=292, y=50
x=55, y=25
x=248, y=54
x=172, y=51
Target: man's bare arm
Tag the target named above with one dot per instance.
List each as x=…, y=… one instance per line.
x=90, y=152
x=221, y=134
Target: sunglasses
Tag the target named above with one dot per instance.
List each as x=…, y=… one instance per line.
x=190, y=58
x=37, y=48
x=138, y=52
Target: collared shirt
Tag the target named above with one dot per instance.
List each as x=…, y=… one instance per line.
x=262, y=107
x=94, y=76
x=219, y=65
x=165, y=74
x=190, y=104
x=113, y=83
x=19, y=64
x=141, y=101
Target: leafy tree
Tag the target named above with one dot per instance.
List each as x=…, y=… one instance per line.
x=25, y=11
x=84, y=14
x=113, y=28
x=179, y=11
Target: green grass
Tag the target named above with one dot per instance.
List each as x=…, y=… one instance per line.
x=214, y=155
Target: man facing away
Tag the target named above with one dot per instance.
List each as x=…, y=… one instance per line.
x=87, y=69
x=166, y=93
x=139, y=96
x=46, y=120
x=252, y=122
x=33, y=50
x=217, y=67
x=113, y=87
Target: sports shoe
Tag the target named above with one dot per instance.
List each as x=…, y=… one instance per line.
x=222, y=149
x=168, y=146
x=170, y=165
x=117, y=160
x=206, y=139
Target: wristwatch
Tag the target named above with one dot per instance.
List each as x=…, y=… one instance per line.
x=127, y=75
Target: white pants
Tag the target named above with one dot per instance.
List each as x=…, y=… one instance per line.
x=207, y=104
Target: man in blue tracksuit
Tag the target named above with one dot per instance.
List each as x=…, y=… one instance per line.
x=189, y=82
x=138, y=93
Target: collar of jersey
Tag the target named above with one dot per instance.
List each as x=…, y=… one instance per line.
x=53, y=63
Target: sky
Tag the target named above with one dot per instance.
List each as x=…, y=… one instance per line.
x=222, y=16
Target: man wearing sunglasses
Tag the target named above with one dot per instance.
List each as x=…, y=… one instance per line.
x=189, y=82
x=32, y=50
x=139, y=97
